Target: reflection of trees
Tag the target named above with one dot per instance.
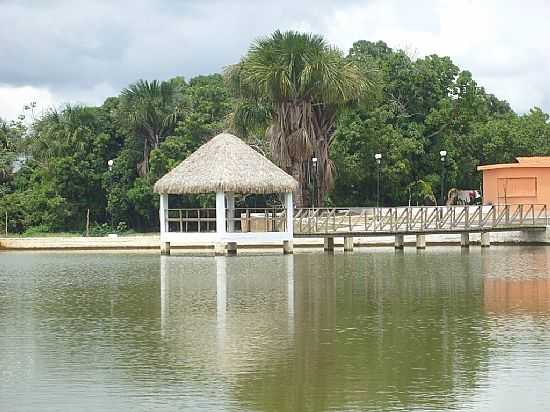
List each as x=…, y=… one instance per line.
x=358, y=331
x=376, y=332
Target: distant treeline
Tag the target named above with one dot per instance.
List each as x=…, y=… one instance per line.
x=55, y=167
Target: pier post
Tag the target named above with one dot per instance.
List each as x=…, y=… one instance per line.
x=348, y=244
x=163, y=219
x=288, y=247
x=485, y=239
x=219, y=249
x=399, y=241
x=164, y=248
x=421, y=241
x=231, y=248
x=465, y=239
x=329, y=244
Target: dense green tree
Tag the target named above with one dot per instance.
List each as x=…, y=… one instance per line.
x=422, y=107
x=54, y=167
x=9, y=138
x=151, y=110
x=65, y=156
x=299, y=82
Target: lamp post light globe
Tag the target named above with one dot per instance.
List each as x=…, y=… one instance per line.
x=378, y=157
x=110, y=163
x=443, y=154
x=314, y=161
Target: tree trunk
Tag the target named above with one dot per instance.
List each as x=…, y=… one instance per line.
x=296, y=172
x=143, y=167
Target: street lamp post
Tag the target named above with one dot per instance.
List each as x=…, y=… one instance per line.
x=443, y=154
x=378, y=157
x=314, y=161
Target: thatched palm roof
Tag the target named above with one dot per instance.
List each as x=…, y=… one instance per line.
x=226, y=164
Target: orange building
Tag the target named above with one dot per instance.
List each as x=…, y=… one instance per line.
x=524, y=182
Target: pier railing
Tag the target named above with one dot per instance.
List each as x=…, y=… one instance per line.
x=419, y=219
x=201, y=220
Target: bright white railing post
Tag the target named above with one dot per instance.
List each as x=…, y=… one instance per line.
x=289, y=213
x=288, y=246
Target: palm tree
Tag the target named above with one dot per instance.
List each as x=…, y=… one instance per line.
x=296, y=82
x=151, y=110
x=7, y=150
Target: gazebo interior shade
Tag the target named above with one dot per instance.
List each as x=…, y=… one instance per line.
x=226, y=164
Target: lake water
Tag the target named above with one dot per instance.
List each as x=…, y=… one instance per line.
x=443, y=329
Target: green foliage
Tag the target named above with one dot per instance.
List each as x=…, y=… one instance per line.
x=422, y=107
x=55, y=169
x=295, y=83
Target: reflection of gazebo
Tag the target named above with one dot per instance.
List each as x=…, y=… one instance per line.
x=225, y=166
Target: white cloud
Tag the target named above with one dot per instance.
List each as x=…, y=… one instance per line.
x=14, y=99
x=503, y=43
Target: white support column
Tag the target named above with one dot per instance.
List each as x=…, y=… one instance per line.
x=399, y=241
x=288, y=245
x=421, y=241
x=230, y=211
x=289, y=214
x=485, y=239
x=348, y=244
x=465, y=239
x=219, y=246
x=163, y=221
x=220, y=214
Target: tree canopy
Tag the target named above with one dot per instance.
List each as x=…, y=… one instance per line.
x=298, y=82
x=294, y=97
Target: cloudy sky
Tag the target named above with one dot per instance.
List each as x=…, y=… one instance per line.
x=58, y=51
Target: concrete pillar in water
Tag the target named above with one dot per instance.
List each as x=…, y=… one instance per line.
x=465, y=239
x=164, y=248
x=219, y=249
x=421, y=241
x=329, y=244
x=399, y=241
x=288, y=247
x=231, y=248
x=485, y=239
x=348, y=244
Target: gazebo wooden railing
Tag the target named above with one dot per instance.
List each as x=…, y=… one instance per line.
x=244, y=220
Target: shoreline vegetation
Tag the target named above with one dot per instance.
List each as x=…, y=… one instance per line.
x=77, y=164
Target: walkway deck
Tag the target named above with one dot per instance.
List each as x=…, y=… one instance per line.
x=423, y=220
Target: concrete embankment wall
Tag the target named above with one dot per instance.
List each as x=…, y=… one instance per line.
x=152, y=242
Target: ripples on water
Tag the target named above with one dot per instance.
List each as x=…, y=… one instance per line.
x=374, y=330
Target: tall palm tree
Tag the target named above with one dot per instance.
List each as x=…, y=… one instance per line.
x=7, y=150
x=296, y=82
x=151, y=109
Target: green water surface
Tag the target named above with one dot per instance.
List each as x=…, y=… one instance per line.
x=375, y=330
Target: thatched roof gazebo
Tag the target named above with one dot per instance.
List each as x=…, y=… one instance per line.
x=226, y=165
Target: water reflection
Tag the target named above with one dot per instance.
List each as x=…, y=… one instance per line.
x=351, y=335
x=439, y=330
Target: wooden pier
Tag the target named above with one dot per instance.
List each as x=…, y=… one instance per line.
x=419, y=220
x=273, y=224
